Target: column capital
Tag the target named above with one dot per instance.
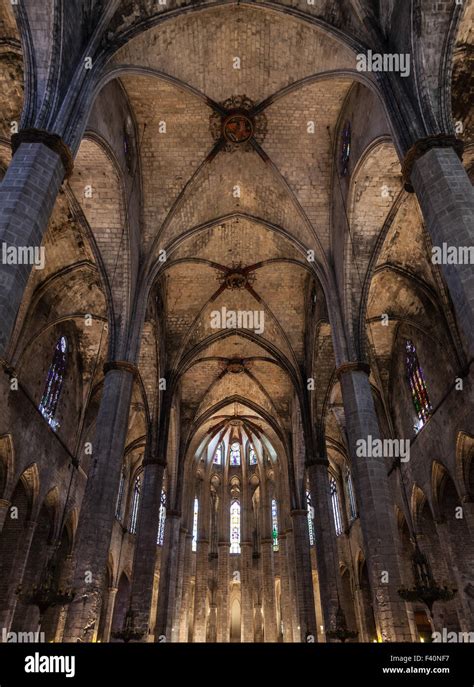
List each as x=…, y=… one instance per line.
x=315, y=462
x=52, y=141
x=173, y=513
x=121, y=365
x=352, y=366
x=154, y=461
x=422, y=146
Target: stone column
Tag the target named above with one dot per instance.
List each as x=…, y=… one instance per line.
x=144, y=558
x=468, y=513
x=270, y=630
x=258, y=622
x=17, y=571
x=446, y=198
x=286, y=600
x=223, y=568
x=98, y=506
x=223, y=629
x=186, y=590
x=200, y=589
x=246, y=578
x=211, y=635
x=61, y=612
x=4, y=507
x=179, y=584
x=304, y=576
x=360, y=613
x=376, y=506
x=27, y=196
x=325, y=539
x=109, y=613
x=168, y=571
x=201, y=584
x=295, y=622
x=268, y=585
x=456, y=576
x=246, y=593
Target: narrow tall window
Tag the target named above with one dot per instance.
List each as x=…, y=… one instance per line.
x=275, y=525
x=135, y=504
x=235, y=527
x=336, y=506
x=54, y=383
x=218, y=455
x=161, y=519
x=195, y=524
x=312, y=537
x=121, y=491
x=351, y=495
x=345, y=149
x=419, y=392
x=252, y=456
x=235, y=453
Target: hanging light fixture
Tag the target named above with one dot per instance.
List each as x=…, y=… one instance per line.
x=48, y=592
x=128, y=633
x=341, y=631
x=426, y=590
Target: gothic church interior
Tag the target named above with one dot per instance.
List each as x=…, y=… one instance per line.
x=237, y=386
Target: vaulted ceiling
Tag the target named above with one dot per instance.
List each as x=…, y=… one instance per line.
x=234, y=220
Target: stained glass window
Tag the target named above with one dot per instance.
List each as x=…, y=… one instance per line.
x=161, y=519
x=252, y=456
x=54, y=383
x=275, y=525
x=345, y=148
x=418, y=388
x=218, y=455
x=195, y=524
x=336, y=506
x=135, y=503
x=312, y=538
x=121, y=491
x=351, y=495
x=235, y=527
x=235, y=453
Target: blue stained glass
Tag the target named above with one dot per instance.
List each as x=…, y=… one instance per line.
x=218, y=455
x=276, y=546
x=54, y=383
x=419, y=392
x=350, y=492
x=195, y=524
x=135, y=504
x=121, y=491
x=252, y=456
x=162, y=519
x=336, y=506
x=346, y=149
x=235, y=527
x=235, y=453
x=312, y=538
